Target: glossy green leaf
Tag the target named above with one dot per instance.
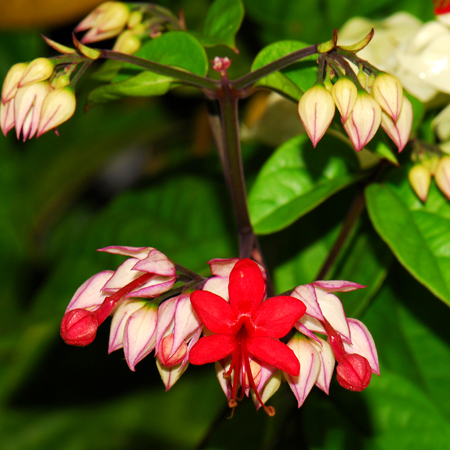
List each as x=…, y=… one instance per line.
x=297, y=178
x=170, y=49
x=418, y=234
x=293, y=80
x=222, y=22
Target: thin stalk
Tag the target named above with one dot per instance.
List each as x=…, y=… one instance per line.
x=232, y=162
x=356, y=208
x=252, y=77
x=187, y=77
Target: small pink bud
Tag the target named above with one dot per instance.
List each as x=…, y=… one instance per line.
x=79, y=327
x=38, y=70
x=58, y=106
x=344, y=94
x=388, y=93
x=106, y=21
x=419, y=179
x=399, y=131
x=11, y=82
x=442, y=176
x=165, y=354
x=354, y=372
x=316, y=109
x=364, y=120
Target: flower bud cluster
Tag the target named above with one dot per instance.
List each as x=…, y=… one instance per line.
x=364, y=105
x=420, y=176
x=35, y=99
x=140, y=323
x=130, y=23
x=241, y=328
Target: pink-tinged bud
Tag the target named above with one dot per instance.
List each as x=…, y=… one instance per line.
x=442, y=176
x=344, y=94
x=106, y=21
x=268, y=389
x=79, y=327
x=166, y=355
x=388, y=93
x=28, y=104
x=170, y=375
x=316, y=109
x=420, y=179
x=140, y=334
x=7, y=119
x=399, y=131
x=11, y=82
x=58, y=106
x=310, y=363
x=40, y=69
x=354, y=372
x=221, y=64
x=127, y=43
x=364, y=121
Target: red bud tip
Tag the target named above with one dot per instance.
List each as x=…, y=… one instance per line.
x=79, y=327
x=165, y=350
x=354, y=372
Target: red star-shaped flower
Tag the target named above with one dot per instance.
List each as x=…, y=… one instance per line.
x=246, y=327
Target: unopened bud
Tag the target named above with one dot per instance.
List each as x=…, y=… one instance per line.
x=79, y=327
x=58, y=106
x=127, y=43
x=399, y=131
x=11, y=82
x=388, y=93
x=364, y=120
x=442, y=176
x=134, y=19
x=7, y=119
x=40, y=69
x=165, y=354
x=344, y=94
x=354, y=372
x=106, y=21
x=316, y=109
x=419, y=179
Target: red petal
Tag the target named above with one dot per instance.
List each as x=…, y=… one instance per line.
x=215, y=312
x=276, y=316
x=275, y=353
x=212, y=348
x=246, y=287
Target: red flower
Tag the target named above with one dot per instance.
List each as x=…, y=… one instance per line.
x=246, y=326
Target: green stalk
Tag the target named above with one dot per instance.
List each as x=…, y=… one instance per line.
x=247, y=81
x=181, y=75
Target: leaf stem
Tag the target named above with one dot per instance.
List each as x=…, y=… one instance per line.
x=204, y=83
x=251, y=78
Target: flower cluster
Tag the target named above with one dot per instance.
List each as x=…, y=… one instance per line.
x=130, y=23
x=242, y=328
x=36, y=98
x=421, y=173
x=365, y=100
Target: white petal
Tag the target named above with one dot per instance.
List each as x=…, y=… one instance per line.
x=327, y=363
x=363, y=344
x=89, y=295
x=119, y=320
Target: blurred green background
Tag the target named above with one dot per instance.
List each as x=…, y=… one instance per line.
x=144, y=172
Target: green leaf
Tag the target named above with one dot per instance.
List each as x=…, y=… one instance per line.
x=297, y=178
x=293, y=80
x=418, y=234
x=222, y=22
x=170, y=49
x=145, y=84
